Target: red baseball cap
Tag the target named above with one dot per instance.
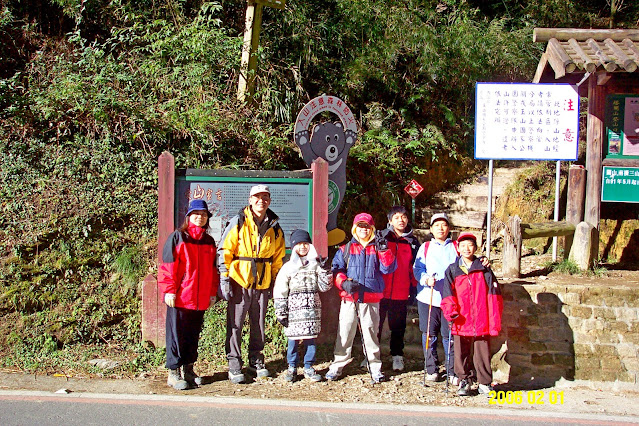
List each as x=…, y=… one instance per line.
x=467, y=236
x=365, y=218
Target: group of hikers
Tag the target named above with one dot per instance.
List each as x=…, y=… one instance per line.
x=377, y=273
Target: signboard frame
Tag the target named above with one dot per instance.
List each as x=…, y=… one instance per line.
x=231, y=177
x=527, y=149
x=613, y=191
x=617, y=113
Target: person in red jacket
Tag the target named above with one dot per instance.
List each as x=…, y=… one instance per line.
x=472, y=303
x=400, y=284
x=189, y=280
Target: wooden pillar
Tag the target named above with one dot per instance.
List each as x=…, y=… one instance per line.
x=511, y=262
x=594, y=149
x=575, y=202
x=153, y=307
x=248, y=66
x=319, y=167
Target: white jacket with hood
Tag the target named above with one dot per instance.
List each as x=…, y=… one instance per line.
x=296, y=294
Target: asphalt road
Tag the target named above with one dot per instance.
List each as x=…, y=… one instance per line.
x=45, y=408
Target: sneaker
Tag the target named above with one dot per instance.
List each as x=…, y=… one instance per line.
x=464, y=388
x=379, y=377
x=190, y=377
x=398, y=363
x=259, y=370
x=332, y=375
x=290, y=374
x=310, y=374
x=432, y=377
x=485, y=389
x=454, y=380
x=175, y=380
x=236, y=377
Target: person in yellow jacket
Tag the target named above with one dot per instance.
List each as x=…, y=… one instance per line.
x=250, y=255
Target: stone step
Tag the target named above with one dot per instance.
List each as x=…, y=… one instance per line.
x=461, y=202
x=459, y=218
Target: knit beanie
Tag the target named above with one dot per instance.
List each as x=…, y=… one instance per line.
x=300, y=236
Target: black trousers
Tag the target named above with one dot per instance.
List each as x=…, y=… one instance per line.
x=473, y=351
x=396, y=311
x=183, y=328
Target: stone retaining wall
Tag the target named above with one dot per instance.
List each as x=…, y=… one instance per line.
x=572, y=331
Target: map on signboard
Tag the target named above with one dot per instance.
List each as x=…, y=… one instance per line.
x=521, y=121
x=291, y=202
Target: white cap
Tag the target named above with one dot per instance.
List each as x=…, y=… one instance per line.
x=439, y=216
x=258, y=189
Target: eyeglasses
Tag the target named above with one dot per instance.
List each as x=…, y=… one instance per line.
x=363, y=226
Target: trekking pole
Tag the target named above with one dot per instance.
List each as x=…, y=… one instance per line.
x=430, y=306
x=450, y=328
x=359, y=327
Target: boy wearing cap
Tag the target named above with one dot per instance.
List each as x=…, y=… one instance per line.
x=358, y=267
x=433, y=257
x=249, y=258
x=400, y=284
x=473, y=304
x=297, y=302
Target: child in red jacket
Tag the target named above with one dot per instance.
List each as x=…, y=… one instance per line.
x=189, y=280
x=472, y=303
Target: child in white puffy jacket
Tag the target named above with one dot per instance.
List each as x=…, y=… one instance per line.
x=297, y=302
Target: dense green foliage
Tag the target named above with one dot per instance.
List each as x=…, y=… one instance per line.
x=92, y=91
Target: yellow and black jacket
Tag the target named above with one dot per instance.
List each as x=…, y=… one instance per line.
x=249, y=254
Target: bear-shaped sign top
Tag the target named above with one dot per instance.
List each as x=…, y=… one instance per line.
x=332, y=142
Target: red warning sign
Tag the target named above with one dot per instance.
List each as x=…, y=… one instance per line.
x=413, y=188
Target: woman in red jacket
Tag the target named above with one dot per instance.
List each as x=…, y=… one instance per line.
x=189, y=280
x=472, y=303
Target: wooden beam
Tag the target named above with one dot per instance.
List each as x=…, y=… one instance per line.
x=603, y=78
x=627, y=63
x=511, y=261
x=575, y=202
x=589, y=65
x=608, y=64
x=559, y=59
x=541, y=66
x=565, y=34
x=546, y=229
x=620, y=162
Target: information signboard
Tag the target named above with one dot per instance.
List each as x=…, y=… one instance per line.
x=620, y=184
x=225, y=196
x=520, y=121
x=622, y=126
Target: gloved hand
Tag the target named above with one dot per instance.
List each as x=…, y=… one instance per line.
x=225, y=288
x=283, y=321
x=323, y=263
x=382, y=243
x=350, y=286
x=453, y=317
x=169, y=299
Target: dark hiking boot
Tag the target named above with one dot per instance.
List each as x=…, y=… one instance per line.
x=189, y=375
x=464, y=388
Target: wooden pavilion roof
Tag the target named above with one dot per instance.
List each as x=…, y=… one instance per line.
x=571, y=53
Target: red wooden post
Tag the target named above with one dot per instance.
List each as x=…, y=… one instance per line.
x=152, y=324
x=319, y=167
x=153, y=307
